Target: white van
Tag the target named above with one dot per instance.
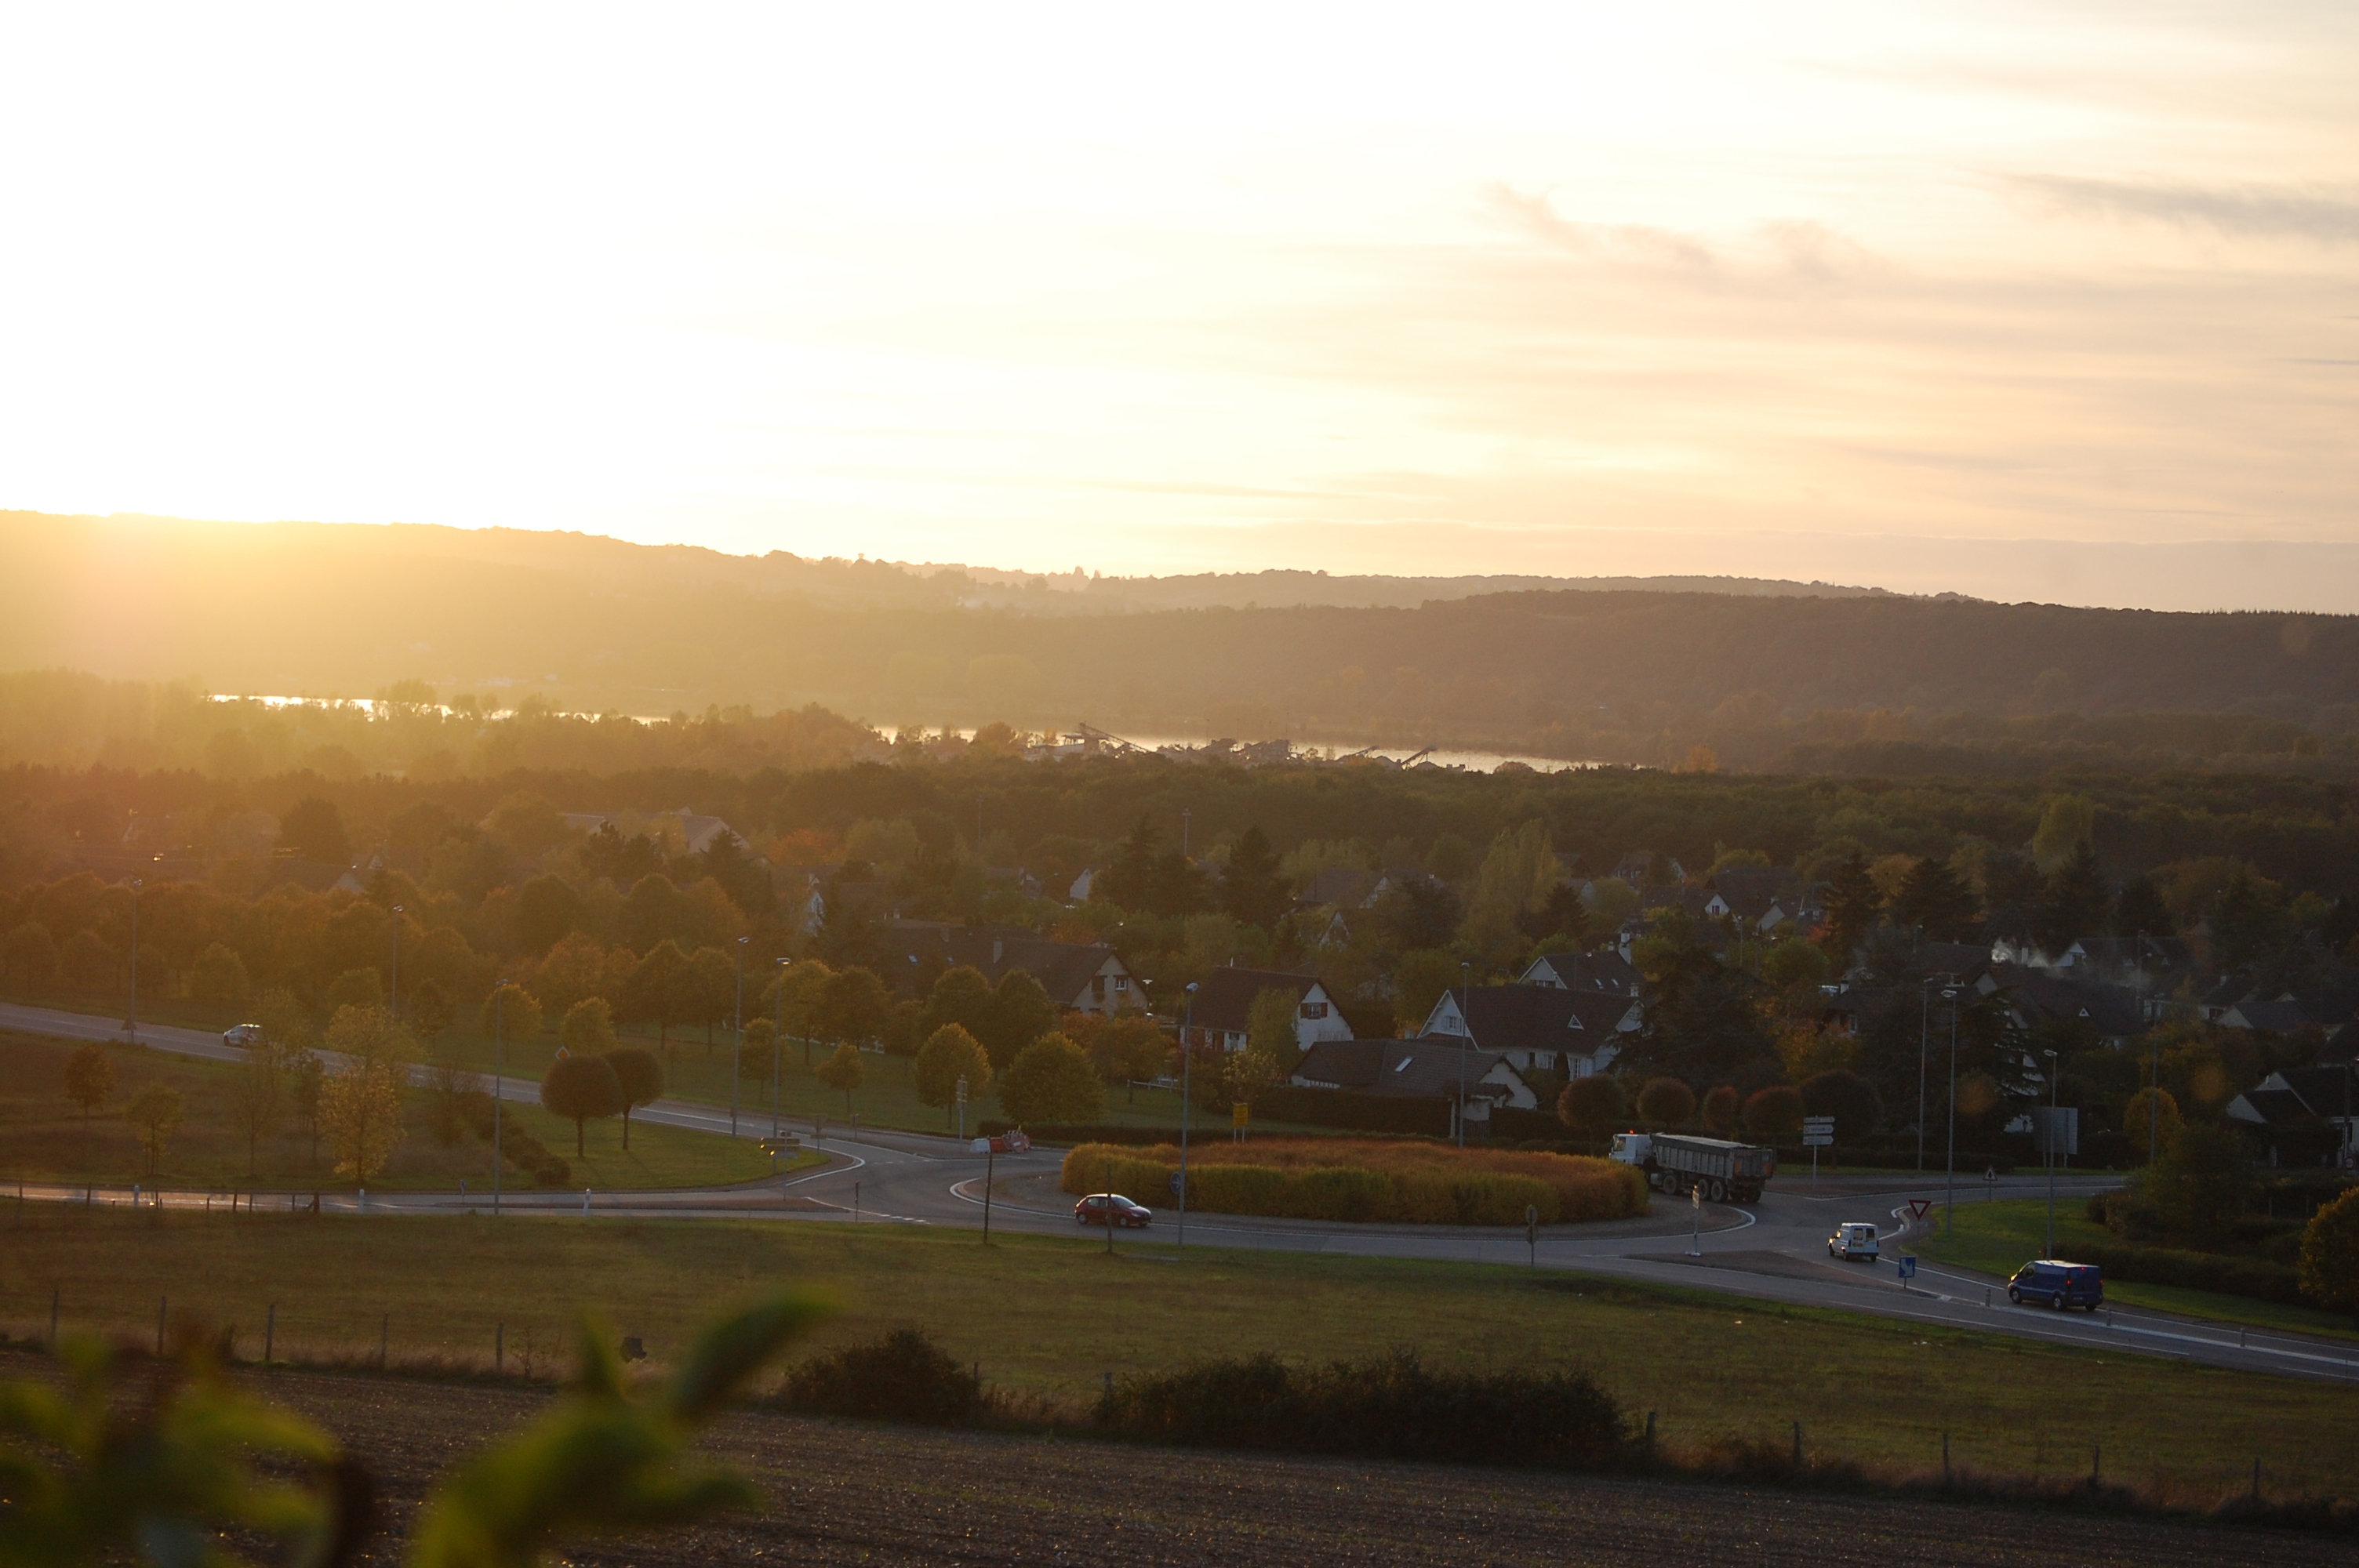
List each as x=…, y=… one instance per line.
x=1853, y=1240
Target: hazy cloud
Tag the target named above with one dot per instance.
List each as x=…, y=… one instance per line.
x=2241, y=210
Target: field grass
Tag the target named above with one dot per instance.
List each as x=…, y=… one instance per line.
x=43, y=1136
x=2000, y=1237
x=1051, y=1315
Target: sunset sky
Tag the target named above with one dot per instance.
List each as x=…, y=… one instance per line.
x=1933, y=296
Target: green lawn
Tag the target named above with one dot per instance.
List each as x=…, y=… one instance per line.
x=45, y=1138
x=1053, y=1315
x=2000, y=1237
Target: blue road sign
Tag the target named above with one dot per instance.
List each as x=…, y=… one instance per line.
x=1908, y=1266
x=1175, y=1184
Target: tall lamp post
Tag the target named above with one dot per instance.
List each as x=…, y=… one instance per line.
x=1949, y=1201
x=392, y=991
x=737, y=1051
x=1187, y=1062
x=2048, y=1149
x=131, y=1018
x=499, y=1021
x=779, y=1045
x=1924, y=1004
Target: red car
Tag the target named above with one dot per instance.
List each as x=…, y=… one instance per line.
x=1112, y=1209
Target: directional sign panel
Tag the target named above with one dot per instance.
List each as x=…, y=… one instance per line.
x=1818, y=1131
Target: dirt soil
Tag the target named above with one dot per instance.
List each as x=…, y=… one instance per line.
x=850, y=1493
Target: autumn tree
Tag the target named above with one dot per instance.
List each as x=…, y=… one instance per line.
x=1721, y=1105
x=218, y=976
x=511, y=1010
x=360, y=1106
x=949, y=1055
x=799, y=993
x=153, y=1113
x=1269, y=1031
x=258, y=1094
x=853, y=1006
x=582, y=1090
x=1774, y=1112
x=1051, y=1080
x=588, y=1028
x=89, y=1077
x=1593, y=1105
x=1666, y=1102
x=842, y=1071
x=641, y=1075
x=2329, y=1264
x=658, y=990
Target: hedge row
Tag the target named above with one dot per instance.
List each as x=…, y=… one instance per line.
x=1436, y=1195
x=2256, y=1278
x=1393, y=1407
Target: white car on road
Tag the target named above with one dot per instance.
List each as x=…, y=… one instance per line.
x=1854, y=1239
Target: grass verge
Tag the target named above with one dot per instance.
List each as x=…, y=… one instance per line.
x=1050, y=1317
x=2000, y=1237
x=43, y=1138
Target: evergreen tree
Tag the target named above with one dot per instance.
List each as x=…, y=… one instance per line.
x=1935, y=901
x=1853, y=903
x=1255, y=894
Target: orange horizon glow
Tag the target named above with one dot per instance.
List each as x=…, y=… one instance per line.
x=1923, y=297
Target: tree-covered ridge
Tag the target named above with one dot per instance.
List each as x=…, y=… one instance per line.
x=1865, y=684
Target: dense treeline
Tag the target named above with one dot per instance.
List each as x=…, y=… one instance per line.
x=1869, y=683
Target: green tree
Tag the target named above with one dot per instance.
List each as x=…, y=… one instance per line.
x=2067, y=823
x=514, y=1011
x=1052, y=1081
x=582, y=1090
x=360, y=1112
x=1592, y=1107
x=1269, y=1031
x=712, y=983
x=1125, y=1046
x=755, y=1053
x=949, y=1055
x=1850, y=1100
x=155, y=1112
x=428, y=1011
x=1129, y=879
x=2330, y=1254
x=356, y=988
x=2200, y=1187
x=32, y=956
x=961, y=994
x=1666, y=1102
x=1020, y=1013
x=1246, y=1075
x=2151, y=1113
x=1516, y=876
x=1253, y=892
x=842, y=1071
x=2073, y=903
x=1419, y=981
x=1721, y=1109
x=800, y=993
x=1775, y=1113
x=853, y=1006
x=588, y=1028
x=1934, y=900
x=658, y=990
x=89, y=1077
x=641, y=1075
x=258, y=1094
x=1852, y=904
x=218, y=976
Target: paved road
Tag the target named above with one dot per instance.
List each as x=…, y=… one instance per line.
x=1774, y=1251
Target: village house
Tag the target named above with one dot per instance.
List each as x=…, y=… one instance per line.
x=1223, y=1005
x=1542, y=1028
x=1428, y=1069
x=1087, y=977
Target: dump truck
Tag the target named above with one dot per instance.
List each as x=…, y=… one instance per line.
x=1728, y=1173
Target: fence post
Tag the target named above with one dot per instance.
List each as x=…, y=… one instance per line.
x=499, y=1348
x=1945, y=1459
x=163, y=1302
x=53, y=1319
x=2257, y=1477
x=1650, y=1436
x=2096, y=1464
x=384, y=1334
x=269, y=1331
x=1798, y=1445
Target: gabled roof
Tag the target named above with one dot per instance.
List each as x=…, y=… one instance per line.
x=1604, y=970
x=1344, y=886
x=1960, y=960
x=1537, y=1018
x=1432, y=1067
x=1225, y=998
x=1063, y=968
x=2269, y=1107
x=2269, y=1017
x=2037, y=997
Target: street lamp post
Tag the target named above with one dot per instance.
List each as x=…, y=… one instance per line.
x=131, y=1018
x=2047, y=1151
x=499, y=1021
x=1187, y=1063
x=779, y=1045
x=1949, y=1201
x=1924, y=1003
x=737, y=1051
x=392, y=990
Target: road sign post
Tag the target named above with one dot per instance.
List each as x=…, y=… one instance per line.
x=1532, y=1232
x=1695, y=1231
x=1818, y=1132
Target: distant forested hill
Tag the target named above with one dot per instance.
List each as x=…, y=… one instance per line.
x=1786, y=675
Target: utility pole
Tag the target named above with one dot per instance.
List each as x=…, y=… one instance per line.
x=779, y=1045
x=393, y=988
x=1950, y=1202
x=1187, y=1062
x=499, y=1021
x=131, y=1019
x=1185, y=813
x=737, y=1051
x=2048, y=1148
x=1924, y=1001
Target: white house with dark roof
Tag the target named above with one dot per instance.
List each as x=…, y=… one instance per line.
x=1224, y=1005
x=1539, y=1027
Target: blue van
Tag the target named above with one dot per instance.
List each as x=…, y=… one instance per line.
x=2059, y=1284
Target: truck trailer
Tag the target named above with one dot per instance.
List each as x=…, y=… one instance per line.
x=1674, y=1162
